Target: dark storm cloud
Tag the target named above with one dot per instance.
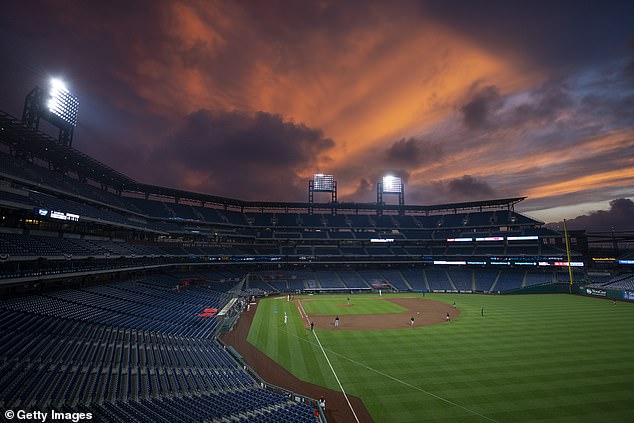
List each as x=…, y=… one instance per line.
x=554, y=34
x=364, y=191
x=616, y=110
x=465, y=188
x=619, y=216
x=545, y=104
x=412, y=152
x=483, y=102
x=486, y=108
x=525, y=95
x=468, y=186
x=244, y=155
x=627, y=72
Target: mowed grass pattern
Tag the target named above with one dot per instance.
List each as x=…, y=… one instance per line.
x=288, y=344
x=531, y=358
x=338, y=305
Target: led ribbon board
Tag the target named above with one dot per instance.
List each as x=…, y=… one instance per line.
x=382, y=240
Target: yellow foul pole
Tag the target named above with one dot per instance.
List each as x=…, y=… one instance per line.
x=568, y=252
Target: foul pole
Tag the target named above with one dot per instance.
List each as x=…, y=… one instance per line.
x=568, y=253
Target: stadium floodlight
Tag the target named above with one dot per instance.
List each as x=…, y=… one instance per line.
x=56, y=105
x=61, y=103
x=323, y=183
x=392, y=184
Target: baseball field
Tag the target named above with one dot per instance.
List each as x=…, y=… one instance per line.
x=523, y=358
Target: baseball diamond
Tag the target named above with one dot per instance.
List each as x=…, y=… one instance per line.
x=548, y=357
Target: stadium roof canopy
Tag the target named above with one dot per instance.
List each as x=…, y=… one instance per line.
x=32, y=143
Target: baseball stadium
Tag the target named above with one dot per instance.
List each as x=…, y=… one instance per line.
x=124, y=301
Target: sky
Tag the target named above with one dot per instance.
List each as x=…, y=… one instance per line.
x=465, y=100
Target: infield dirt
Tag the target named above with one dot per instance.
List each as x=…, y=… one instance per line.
x=425, y=312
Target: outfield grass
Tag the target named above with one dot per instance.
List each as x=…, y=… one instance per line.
x=531, y=358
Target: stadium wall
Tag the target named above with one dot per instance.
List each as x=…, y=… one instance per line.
x=613, y=294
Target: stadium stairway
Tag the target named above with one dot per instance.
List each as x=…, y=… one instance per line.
x=395, y=278
x=405, y=281
x=451, y=282
x=497, y=278
x=426, y=281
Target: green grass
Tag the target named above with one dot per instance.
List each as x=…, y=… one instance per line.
x=531, y=358
x=333, y=305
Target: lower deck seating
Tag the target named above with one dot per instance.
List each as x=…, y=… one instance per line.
x=484, y=279
x=407, y=279
x=437, y=279
x=509, y=279
x=131, y=351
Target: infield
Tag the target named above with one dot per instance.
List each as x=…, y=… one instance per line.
x=376, y=314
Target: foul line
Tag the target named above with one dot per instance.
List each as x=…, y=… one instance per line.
x=413, y=387
x=390, y=377
x=302, y=311
x=338, y=382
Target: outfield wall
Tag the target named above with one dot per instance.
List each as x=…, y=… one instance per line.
x=551, y=288
x=579, y=289
x=613, y=294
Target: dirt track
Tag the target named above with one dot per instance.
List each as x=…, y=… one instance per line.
x=337, y=409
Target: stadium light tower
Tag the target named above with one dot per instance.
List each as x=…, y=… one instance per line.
x=322, y=183
x=390, y=184
x=56, y=105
